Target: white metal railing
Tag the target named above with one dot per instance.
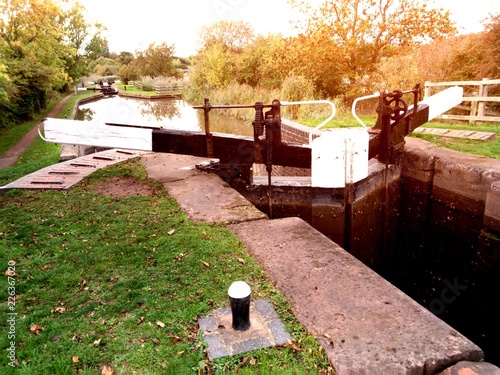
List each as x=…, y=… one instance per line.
x=353, y=109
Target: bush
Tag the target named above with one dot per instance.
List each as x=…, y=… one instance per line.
x=296, y=89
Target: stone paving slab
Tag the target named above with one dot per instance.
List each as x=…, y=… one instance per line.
x=266, y=330
x=202, y=196
x=366, y=325
x=472, y=368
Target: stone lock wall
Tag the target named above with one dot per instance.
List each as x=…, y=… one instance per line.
x=429, y=224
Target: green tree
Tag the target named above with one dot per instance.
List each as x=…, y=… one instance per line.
x=31, y=49
x=213, y=68
x=42, y=48
x=83, y=42
x=247, y=64
x=97, y=47
x=6, y=90
x=128, y=73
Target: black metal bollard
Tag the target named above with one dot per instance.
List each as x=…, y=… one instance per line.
x=239, y=298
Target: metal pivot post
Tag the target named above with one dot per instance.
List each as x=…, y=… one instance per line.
x=258, y=131
x=391, y=109
x=273, y=138
x=210, y=145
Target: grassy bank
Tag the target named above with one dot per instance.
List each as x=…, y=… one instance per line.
x=39, y=154
x=119, y=283
x=490, y=148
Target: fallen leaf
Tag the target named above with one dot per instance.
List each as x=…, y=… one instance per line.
x=241, y=260
x=171, y=231
x=36, y=329
x=180, y=353
x=176, y=338
x=55, y=338
x=140, y=320
x=60, y=310
x=291, y=345
x=160, y=324
x=156, y=341
x=244, y=360
x=181, y=255
x=205, y=263
x=75, y=359
x=106, y=370
x=252, y=361
x=97, y=342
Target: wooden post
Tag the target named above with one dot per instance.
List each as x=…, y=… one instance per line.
x=427, y=89
x=483, y=92
x=473, y=109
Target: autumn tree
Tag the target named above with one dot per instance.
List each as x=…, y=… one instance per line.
x=104, y=66
x=319, y=59
x=366, y=31
x=491, y=66
x=155, y=61
x=225, y=55
x=232, y=35
x=124, y=58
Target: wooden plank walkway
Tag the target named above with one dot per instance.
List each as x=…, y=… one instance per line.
x=464, y=134
x=64, y=175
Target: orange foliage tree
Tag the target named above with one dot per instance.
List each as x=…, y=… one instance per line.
x=365, y=32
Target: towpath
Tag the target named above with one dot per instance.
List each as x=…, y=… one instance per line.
x=10, y=157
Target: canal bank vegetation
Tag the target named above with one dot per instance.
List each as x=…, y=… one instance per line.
x=333, y=57
x=108, y=284
x=115, y=285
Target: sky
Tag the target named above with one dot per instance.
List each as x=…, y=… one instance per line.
x=133, y=25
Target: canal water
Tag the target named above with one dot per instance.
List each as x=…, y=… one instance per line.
x=166, y=113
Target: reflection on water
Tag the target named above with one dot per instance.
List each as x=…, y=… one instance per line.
x=166, y=113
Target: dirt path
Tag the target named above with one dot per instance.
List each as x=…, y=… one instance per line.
x=9, y=158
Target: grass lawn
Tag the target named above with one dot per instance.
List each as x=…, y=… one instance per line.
x=130, y=89
x=489, y=148
x=119, y=283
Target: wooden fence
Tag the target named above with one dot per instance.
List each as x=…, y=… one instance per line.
x=478, y=110
x=160, y=89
